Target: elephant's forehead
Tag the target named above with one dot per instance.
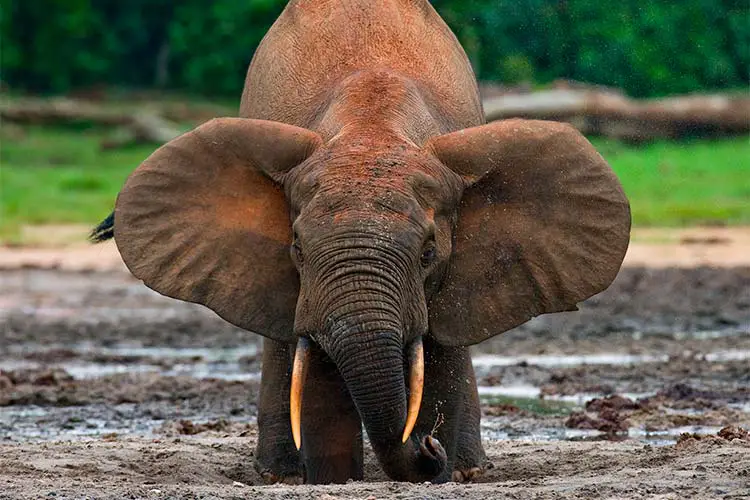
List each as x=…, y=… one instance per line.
x=380, y=206
x=385, y=213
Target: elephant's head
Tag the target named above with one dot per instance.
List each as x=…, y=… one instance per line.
x=360, y=248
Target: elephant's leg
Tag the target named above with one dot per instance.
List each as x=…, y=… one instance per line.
x=471, y=460
x=331, y=427
x=446, y=382
x=276, y=457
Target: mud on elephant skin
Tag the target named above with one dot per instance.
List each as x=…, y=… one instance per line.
x=361, y=210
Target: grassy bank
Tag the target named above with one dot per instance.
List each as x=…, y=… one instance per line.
x=62, y=176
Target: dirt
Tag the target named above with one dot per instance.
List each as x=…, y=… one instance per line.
x=216, y=465
x=108, y=390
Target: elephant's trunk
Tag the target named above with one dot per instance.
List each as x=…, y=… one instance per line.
x=359, y=319
x=372, y=365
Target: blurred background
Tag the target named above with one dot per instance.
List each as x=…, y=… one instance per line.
x=91, y=87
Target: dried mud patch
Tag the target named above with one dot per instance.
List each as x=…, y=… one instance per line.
x=60, y=307
x=55, y=387
x=615, y=415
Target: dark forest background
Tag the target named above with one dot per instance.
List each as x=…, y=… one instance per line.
x=202, y=47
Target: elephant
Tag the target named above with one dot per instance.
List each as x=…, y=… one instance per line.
x=362, y=217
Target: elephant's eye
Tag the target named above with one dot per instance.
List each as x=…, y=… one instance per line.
x=428, y=255
x=297, y=249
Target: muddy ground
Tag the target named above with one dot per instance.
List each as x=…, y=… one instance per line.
x=108, y=390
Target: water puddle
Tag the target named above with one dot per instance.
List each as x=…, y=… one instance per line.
x=614, y=359
x=487, y=393
x=497, y=428
x=222, y=363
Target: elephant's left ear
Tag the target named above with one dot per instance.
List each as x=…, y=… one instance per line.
x=204, y=220
x=543, y=224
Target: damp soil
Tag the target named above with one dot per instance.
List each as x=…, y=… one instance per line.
x=109, y=390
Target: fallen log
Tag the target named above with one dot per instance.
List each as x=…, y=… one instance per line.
x=593, y=110
x=614, y=115
x=139, y=125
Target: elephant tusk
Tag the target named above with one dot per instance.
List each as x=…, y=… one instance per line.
x=416, y=385
x=299, y=372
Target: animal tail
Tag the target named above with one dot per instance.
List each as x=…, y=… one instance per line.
x=104, y=231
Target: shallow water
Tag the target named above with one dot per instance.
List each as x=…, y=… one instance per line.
x=616, y=359
x=23, y=422
x=530, y=391
x=223, y=362
x=34, y=423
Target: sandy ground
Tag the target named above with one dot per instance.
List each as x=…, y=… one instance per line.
x=215, y=465
x=652, y=247
x=108, y=390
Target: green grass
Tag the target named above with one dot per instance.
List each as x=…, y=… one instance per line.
x=684, y=183
x=62, y=176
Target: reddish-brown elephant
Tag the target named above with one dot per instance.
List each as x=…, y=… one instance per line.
x=361, y=210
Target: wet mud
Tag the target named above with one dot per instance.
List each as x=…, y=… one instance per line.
x=109, y=390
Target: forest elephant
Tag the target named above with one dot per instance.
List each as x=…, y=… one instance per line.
x=362, y=216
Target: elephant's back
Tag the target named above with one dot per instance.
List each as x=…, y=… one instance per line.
x=315, y=44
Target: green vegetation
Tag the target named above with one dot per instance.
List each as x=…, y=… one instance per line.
x=537, y=406
x=684, y=183
x=62, y=176
x=646, y=47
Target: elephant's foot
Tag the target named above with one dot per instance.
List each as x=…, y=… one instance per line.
x=284, y=470
x=272, y=478
x=467, y=475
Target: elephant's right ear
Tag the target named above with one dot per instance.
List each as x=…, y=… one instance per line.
x=202, y=220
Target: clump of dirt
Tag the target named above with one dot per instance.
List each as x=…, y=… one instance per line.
x=503, y=409
x=573, y=381
x=46, y=377
x=729, y=434
x=608, y=415
x=615, y=403
x=190, y=428
x=187, y=427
